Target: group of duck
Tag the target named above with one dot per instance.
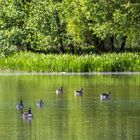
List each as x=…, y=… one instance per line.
x=103, y=96
x=28, y=115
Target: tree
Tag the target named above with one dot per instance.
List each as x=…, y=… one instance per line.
x=42, y=25
x=48, y=22
x=102, y=23
x=13, y=16
x=114, y=20
x=33, y=25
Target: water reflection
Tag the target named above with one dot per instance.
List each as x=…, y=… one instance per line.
x=40, y=103
x=68, y=117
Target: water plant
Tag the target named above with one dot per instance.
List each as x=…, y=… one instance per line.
x=114, y=62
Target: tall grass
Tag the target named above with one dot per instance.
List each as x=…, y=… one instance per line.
x=27, y=61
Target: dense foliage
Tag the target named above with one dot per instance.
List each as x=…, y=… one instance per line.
x=48, y=25
x=25, y=61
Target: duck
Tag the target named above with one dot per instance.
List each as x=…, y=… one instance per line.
x=27, y=115
x=79, y=92
x=59, y=91
x=40, y=103
x=105, y=96
x=20, y=105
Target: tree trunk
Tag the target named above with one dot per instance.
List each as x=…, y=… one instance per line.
x=123, y=43
x=112, y=43
x=99, y=44
x=59, y=30
x=72, y=50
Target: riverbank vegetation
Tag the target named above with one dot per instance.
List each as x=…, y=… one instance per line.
x=27, y=61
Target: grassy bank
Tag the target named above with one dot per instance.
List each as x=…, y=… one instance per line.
x=26, y=61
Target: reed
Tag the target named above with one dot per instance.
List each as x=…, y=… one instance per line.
x=113, y=62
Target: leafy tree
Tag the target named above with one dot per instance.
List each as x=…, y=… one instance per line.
x=13, y=17
x=114, y=19
x=48, y=22
x=55, y=24
x=104, y=23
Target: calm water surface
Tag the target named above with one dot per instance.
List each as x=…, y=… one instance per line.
x=68, y=117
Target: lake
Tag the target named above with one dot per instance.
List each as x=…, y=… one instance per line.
x=68, y=117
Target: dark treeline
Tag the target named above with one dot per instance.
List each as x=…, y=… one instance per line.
x=59, y=26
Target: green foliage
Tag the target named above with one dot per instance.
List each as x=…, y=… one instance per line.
x=114, y=18
x=71, y=63
x=44, y=25
x=5, y=47
x=48, y=23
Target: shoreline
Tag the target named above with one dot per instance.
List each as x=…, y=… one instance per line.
x=5, y=72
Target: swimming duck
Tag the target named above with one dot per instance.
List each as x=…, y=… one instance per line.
x=27, y=115
x=105, y=96
x=59, y=91
x=40, y=103
x=79, y=92
x=20, y=105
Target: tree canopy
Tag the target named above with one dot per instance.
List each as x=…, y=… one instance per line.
x=59, y=24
